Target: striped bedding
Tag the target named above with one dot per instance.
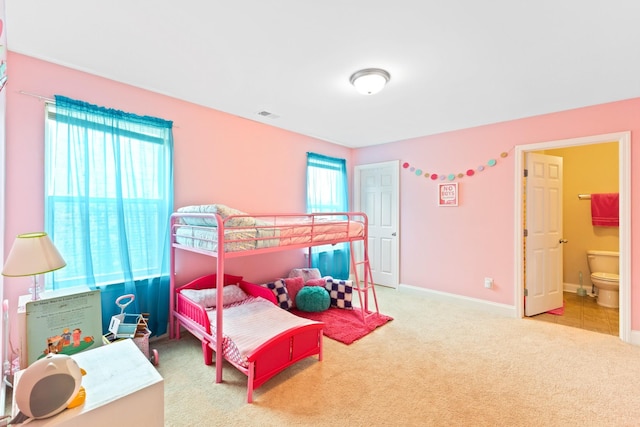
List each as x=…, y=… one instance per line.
x=206, y=238
x=244, y=232
x=249, y=324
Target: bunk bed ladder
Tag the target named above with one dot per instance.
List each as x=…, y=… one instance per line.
x=363, y=280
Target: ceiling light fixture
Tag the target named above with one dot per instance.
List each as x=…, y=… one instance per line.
x=370, y=80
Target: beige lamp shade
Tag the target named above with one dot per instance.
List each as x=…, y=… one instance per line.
x=31, y=254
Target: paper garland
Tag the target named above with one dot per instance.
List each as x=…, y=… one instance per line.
x=452, y=176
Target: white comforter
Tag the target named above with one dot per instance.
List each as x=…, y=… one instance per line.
x=249, y=324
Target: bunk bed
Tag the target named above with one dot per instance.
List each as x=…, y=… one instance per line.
x=224, y=233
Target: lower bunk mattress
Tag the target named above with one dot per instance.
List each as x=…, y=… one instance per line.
x=249, y=324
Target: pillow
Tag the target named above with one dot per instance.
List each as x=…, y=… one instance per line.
x=232, y=294
x=312, y=299
x=340, y=292
x=280, y=291
x=207, y=297
x=293, y=284
x=316, y=282
x=305, y=273
x=222, y=210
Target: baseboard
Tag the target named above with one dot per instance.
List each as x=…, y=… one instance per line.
x=487, y=306
x=572, y=287
x=634, y=338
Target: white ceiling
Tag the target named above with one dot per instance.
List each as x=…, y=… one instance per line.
x=453, y=63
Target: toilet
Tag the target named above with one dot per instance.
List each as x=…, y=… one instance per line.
x=604, y=267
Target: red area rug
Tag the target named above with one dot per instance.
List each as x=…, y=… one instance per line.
x=345, y=325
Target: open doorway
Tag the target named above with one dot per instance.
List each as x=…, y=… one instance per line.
x=623, y=141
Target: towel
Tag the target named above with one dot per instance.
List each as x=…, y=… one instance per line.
x=605, y=209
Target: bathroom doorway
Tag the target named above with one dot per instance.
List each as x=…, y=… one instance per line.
x=584, y=156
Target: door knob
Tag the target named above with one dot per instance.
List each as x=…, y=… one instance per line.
x=394, y=234
x=563, y=241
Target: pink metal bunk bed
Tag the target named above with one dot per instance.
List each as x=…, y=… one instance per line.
x=224, y=233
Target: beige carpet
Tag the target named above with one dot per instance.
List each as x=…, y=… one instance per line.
x=435, y=364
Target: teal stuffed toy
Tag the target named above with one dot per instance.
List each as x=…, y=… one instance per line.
x=312, y=299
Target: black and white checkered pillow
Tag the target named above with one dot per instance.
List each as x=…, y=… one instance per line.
x=280, y=291
x=340, y=292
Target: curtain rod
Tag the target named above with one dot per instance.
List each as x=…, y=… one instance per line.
x=52, y=101
x=40, y=97
x=584, y=196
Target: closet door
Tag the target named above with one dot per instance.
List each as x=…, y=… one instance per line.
x=376, y=194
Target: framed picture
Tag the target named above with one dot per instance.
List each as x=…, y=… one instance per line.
x=448, y=194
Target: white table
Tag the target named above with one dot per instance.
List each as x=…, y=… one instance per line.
x=122, y=386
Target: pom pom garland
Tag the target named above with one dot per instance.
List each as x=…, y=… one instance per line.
x=452, y=176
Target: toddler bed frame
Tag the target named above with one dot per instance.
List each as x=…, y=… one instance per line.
x=269, y=358
x=223, y=236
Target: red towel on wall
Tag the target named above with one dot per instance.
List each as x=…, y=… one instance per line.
x=605, y=209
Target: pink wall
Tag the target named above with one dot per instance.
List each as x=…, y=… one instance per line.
x=445, y=249
x=453, y=249
x=219, y=158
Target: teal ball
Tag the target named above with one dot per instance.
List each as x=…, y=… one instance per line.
x=313, y=299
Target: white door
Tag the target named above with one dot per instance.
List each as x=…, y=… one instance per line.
x=544, y=240
x=376, y=188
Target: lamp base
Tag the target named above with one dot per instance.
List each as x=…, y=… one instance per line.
x=35, y=290
x=35, y=294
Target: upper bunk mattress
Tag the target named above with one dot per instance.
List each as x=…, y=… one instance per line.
x=245, y=232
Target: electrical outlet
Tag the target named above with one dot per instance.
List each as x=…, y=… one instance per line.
x=488, y=282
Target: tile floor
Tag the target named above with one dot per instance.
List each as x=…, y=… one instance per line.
x=584, y=313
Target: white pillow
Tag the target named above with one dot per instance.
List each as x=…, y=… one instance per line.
x=207, y=297
x=222, y=210
x=306, y=273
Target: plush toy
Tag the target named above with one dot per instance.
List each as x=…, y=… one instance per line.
x=312, y=299
x=49, y=386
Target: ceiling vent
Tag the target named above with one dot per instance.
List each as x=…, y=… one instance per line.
x=268, y=114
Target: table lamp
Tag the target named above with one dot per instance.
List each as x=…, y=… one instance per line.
x=32, y=254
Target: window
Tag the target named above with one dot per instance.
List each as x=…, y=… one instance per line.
x=326, y=184
x=108, y=196
x=327, y=192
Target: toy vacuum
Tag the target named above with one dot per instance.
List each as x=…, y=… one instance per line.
x=47, y=387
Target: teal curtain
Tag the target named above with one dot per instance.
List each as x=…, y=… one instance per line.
x=327, y=191
x=108, y=199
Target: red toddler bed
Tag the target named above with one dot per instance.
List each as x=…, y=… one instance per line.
x=259, y=339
